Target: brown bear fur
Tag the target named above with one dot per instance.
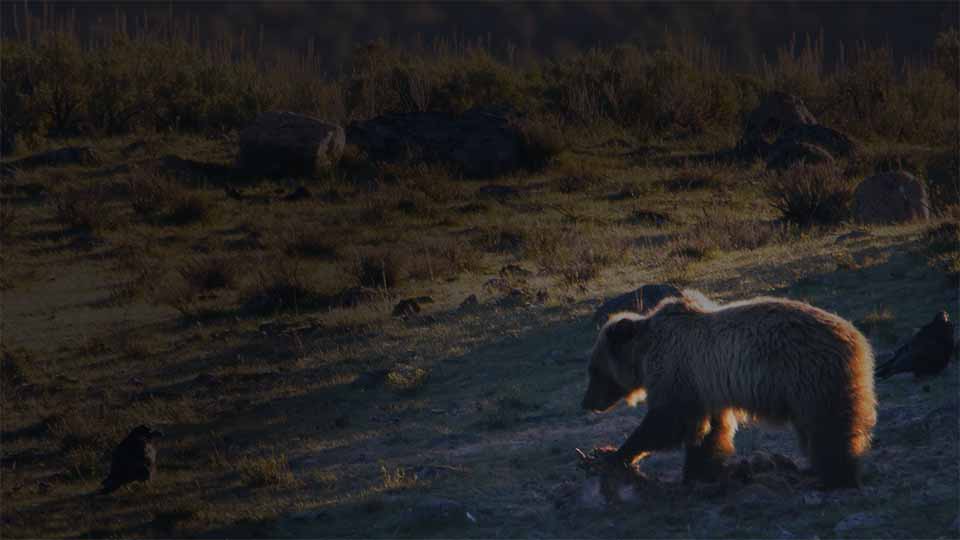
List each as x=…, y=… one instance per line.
x=702, y=366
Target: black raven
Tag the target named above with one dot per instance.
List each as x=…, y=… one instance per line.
x=927, y=353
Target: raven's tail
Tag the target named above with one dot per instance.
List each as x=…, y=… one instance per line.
x=898, y=363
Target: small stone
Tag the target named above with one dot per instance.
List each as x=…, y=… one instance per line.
x=469, y=301
x=299, y=194
x=514, y=270
x=853, y=235
x=406, y=308
x=860, y=520
x=812, y=499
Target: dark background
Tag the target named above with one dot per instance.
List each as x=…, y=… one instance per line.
x=743, y=30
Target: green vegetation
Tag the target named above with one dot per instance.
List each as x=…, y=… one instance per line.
x=163, y=79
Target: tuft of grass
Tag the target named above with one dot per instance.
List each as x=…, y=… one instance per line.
x=397, y=478
x=8, y=219
x=311, y=243
x=712, y=235
x=845, y=261
x=281, y=284
x=880, y=323
x=407, y=379
x=812, y=195
x=541, y=142
x=208, y=273
x=378, y=270
x=164, y=201
x=943, y=238
x=695, y=178
x=262, y=471
x=443, y=259
x=82, y=209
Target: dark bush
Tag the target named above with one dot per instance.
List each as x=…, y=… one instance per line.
x=812, y=195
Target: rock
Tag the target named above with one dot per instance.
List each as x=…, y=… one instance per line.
x=893, y=197
x=71, y=155
x=785, y=156
x=649, y=217
x=134, y=459
x=298, y=194
x=284, y=143
x=756, y=494
x=497, y=284
x=641, y=300
x=776, y=113
x=514, y=270
x=370, y=379
x=497, y=191
x=542, y=297
x=207, y=379
x=813, y=499
x=406, y=308
x=469, y=302
x=860, y=520
x=353, y=297
x=481, y=142
x=134, y=148
x=761, y=462
x=832, y=141
x=853, y=235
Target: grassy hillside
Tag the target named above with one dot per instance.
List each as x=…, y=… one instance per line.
x=256, y=329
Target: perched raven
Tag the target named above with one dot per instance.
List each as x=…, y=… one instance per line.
x=927, y=353
x=134, y=459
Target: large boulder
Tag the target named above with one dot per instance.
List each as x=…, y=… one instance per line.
x=892, y=197
x=288, y=144
x=480, y=142
x=788, y=155
x=641, y=300
x=776, y=113
x=833, y=141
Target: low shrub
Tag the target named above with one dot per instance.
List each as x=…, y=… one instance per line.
x=812, y=195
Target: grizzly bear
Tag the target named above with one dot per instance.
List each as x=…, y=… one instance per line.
x=704, y=366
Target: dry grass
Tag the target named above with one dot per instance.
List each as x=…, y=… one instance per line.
x=379, y=269
x=812, y=195
x=270, y=470
x=82, y=209
x=291, y=330
x=397, y=478
x=280, y=283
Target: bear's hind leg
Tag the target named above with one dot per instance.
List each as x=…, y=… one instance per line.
x=705, y=458
x=833, y=457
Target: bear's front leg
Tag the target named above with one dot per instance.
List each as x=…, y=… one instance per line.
x=707, y=454
x=659, y=430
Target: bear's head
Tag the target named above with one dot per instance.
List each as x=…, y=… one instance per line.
x=614, y=371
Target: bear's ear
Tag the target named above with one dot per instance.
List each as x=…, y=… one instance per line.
x=623, y=331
